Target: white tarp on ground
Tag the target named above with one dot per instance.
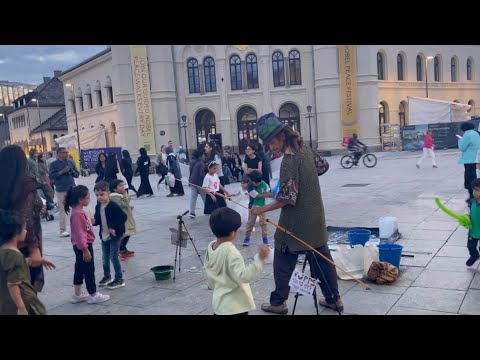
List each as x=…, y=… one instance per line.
x=430, y=111
x=92, y=138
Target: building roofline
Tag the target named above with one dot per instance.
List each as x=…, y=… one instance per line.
x=90, y=59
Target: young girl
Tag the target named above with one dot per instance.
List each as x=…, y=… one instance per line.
x=82, y=239
x=17, y=295
x=211, y=184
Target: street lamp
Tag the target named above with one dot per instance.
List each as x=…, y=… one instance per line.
x=184, y=126
x=426, y=73
x=76, y=118
x=40, y=120
x=309, y=116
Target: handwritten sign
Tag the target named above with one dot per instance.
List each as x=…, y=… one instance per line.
x=89, y=157
x=302, y=283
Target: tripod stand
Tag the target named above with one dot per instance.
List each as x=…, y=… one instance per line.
x=314, y=291
x=181, y=242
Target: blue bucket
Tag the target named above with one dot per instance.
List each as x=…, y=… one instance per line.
x=358, y=236
x=390, y=253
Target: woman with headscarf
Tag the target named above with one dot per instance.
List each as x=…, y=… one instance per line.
x=174, y=169
x=127, y=169
x=143, y=168
x=100, y=167
x=111, y=168
x=19, y=194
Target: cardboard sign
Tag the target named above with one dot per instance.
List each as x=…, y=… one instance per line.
x=302, y=283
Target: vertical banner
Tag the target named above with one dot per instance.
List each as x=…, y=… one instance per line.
x=347, y=68
x=143, y=102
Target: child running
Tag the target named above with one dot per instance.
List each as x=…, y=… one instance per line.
x=211, y=184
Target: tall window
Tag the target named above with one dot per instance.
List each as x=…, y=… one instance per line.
x=210, y=81
x=401, y=114
x=89, y=101
x=278, y=69
x=469, y=69
x=380, y=66
x=453, y=69
x=236, y=72
x=436, y=68
x=472, y=104
x=252, y=71
x=99, y=97
x=80, y=103
x=109, y=94
x=400, y=67
x=193, y=76
x=419, y=68
x=295, y=68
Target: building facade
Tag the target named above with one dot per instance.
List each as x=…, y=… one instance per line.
x=223, y=89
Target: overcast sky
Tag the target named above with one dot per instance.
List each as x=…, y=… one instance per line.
x=30, y=63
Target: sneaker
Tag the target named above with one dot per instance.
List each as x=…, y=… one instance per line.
x=150, y=195
x=333, y=306
x=115, y=284
x=64, y=234
x=170, y=195
x=121, y=257
x=79, y=298
x=105, y=281
x=193, y=216
x=434, y=166
x=471, y=261
x=280, y=309
x=246, y=241
x=129, y=253
x=265, y=241
x=98, y=298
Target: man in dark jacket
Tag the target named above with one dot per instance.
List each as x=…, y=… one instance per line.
x=111, y=219
x=197, y=174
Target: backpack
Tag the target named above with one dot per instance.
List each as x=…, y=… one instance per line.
x=321, y=163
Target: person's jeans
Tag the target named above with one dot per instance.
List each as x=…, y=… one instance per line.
x=61, y=196
x=284, y=264
x=110, y=251
x=194, y=192
x=472, y=245
x=84, y=270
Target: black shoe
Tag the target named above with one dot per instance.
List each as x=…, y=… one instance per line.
x=115, y=284
x=471, y=260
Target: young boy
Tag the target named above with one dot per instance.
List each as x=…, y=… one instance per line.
x=258, y=191
x=225, y=268
x=120, y=196
x=111, y=220
x=17, y=295
x=474, y=232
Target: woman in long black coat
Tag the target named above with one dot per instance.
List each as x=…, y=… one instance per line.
x=143, y=168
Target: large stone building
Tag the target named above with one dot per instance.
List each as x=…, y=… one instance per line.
x=327, y=91
x=9, y=91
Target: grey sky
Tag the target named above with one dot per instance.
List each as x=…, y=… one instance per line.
x=30, y=63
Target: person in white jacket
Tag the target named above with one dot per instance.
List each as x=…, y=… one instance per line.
x=225, y=268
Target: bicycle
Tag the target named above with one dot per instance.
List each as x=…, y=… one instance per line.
x=369, y=159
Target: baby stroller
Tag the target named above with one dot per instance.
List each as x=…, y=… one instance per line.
x=50, y=205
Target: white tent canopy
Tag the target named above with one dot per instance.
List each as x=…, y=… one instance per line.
x=431, y=111
x=92, y=138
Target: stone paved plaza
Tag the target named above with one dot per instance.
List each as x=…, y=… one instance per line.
x=434, y=281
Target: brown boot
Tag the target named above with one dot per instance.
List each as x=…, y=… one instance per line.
x=333, y=306
x=280, y=309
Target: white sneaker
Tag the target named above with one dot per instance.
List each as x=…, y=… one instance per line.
x=79, y=298
x=98, y=298
x=64, y=234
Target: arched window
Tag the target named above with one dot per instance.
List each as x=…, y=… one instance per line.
x=402, y=114
x=469, y=69
x=436, y=68
x=400, y=74
x=236, y=72
x=278, y=69
x=205, y=125
x=380, y=66
x=472, y=104
x=290, y=115
x=453, y=69
x=98, y=93
x=246, y=121
x=295, y=68
x=210, y=80
x=419, y=68
x=193, y=76
x=252, y=71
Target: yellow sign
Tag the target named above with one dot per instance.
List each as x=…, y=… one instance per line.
x=347, y=67
x=143, y=102
x=76, y=160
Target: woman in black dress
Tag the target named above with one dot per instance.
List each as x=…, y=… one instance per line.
x=143, y=168
x=100, y=167
x=174, y=168
x=127, y=170
x=111, y=169
x=252, y=161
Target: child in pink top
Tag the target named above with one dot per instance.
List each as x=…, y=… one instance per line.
x=427, y=150
x=82, y=237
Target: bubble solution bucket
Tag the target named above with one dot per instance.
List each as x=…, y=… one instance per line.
x=358, y=236
x=390, y=253
x=163, y=272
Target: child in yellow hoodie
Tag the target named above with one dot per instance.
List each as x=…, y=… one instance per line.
x=225, y=268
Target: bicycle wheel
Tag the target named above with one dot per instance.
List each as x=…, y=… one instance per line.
x=369, y=160
x=346, y=161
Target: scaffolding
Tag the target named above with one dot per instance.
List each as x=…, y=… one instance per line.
x=390, y=137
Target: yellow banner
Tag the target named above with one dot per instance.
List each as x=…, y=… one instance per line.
x=143, y=102
x=76, y=160
x=347, y=67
